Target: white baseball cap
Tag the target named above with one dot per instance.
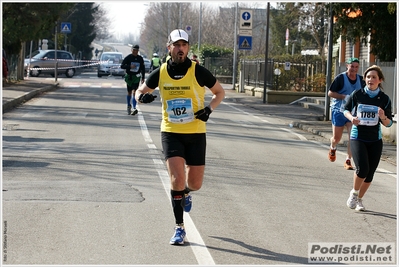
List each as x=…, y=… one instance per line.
x=177, y=35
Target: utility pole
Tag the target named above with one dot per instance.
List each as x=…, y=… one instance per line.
x=199, y=27
x=180, y=20
x=169, y=30
x=266, y=52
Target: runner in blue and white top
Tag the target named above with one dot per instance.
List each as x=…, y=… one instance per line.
x=342, y=86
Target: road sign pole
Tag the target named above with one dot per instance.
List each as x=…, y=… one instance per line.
x=266, y=53
x=235, y=48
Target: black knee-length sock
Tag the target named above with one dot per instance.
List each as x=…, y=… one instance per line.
x=178, y=205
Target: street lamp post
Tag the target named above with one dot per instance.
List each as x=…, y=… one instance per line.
x=329, y=66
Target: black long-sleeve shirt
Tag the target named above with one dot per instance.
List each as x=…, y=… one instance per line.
x=134, y=65
x=365, y=132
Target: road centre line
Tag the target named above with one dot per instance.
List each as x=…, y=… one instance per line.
x=197, y=244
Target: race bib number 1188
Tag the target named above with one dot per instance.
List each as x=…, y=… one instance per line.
x=367, y=114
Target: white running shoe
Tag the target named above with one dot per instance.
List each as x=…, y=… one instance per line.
x=352, y=200
x=359, y=205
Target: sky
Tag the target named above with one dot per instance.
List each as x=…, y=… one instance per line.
x=127, y=16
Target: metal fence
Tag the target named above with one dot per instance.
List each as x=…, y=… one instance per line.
x=219, y=66
x=291, y=76
x=305, y=75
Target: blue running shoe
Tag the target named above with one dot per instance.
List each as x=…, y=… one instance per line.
x=187, y=202
x=178, y=237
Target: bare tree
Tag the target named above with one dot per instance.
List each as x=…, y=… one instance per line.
x=217, y=27
x=101, y=22
x=161, y=18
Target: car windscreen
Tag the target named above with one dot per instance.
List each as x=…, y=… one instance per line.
x=112, y=57
x=34, y=54
x=49, y=55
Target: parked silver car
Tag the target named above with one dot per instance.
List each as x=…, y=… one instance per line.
x=43, y=62
x=110, y=64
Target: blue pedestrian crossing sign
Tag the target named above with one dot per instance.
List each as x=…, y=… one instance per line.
x=66, y=27
x=244, y=42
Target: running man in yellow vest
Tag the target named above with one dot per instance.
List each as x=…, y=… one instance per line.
x=155, y=62
x=182, y=85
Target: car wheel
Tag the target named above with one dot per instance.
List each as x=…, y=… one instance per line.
x=34, y=72
x=99, y=75
x=70, y=72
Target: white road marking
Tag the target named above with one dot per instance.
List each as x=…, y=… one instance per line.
x=244, y=112
x=300, y=136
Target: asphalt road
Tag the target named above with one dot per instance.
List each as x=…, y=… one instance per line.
x=85, y=183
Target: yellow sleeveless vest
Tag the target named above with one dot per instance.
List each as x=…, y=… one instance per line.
x=180, y=100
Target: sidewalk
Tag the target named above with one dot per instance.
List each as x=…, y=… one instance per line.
x=309, y=120
x=16, y=93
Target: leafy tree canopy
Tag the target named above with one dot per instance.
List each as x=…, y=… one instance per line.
x=23, y=22
x=357, y=21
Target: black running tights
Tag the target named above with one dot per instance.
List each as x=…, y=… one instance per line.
x=366, y=156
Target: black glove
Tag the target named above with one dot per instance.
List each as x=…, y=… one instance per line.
x=203, y=114
x=146, y=98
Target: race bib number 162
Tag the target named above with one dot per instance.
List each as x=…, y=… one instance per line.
x=180, y=110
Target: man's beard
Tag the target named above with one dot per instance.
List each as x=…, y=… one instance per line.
x=179, y=58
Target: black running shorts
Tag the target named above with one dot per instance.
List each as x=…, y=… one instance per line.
x=191, y=147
